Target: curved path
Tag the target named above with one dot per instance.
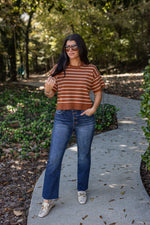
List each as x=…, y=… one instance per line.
x=116, y=195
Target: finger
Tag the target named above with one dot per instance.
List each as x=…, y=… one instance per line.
x=50, y=78
x=50, y=81
x=83, y=113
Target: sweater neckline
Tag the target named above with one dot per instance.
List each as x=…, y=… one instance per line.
x=76, y=66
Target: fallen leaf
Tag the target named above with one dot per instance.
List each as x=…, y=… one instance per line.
x=84, y=217
x=124, y=210
x=44, y=153
x=34, y=216
x=30, y=190
x=112, y=223
x=17, y=213
x=20, y=199
x=32, y=153
x=19, y=221
x=100, y=217
x=91, y=199
x=133, y=221
x=7, y=209
x=122, y=193
x=111, y=200
x=72, y=180
x=40, y=166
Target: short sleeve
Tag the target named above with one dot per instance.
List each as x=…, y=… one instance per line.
x=98, y=82
x=50, y=74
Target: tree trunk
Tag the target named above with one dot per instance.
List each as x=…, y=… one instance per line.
x=2, y=69
x=27, y=45
x=35, y=64
x=12, y=55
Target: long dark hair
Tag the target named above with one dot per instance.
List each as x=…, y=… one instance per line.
x=63, y=60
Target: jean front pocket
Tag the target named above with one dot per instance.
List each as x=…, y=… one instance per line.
x=60, y=112
x=88, y=115
x=85, y=115
x=64, y=116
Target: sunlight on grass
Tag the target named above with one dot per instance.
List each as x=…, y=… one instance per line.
x=11, y=109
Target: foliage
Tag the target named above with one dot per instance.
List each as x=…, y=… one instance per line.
x=105, y=117
x=116, y=33
x=26, y=121
x=145, y=113
x=15, y=26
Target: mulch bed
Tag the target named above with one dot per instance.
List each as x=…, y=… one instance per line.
x=125, y=85
x=145, y=177
x=18, y=177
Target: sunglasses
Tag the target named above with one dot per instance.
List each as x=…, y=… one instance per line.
x=72, y=47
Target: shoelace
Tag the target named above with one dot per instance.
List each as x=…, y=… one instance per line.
x=82, y=194
x=45, y=206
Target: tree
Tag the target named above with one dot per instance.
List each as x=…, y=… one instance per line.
x=17, y=31
x=116, y=32
x=9, y=27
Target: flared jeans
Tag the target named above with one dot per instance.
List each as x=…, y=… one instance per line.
x=65, y=122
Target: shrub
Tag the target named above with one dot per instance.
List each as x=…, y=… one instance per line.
x=106, y=117
x=145, y=112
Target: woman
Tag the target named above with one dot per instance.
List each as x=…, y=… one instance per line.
x=73, y=78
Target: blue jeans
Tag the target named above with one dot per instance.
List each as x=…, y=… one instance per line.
x=65, y=122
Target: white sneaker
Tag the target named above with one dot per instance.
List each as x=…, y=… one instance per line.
x=82, y=197
x=46, y=207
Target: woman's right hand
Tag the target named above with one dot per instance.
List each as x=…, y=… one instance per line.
x=49, y=84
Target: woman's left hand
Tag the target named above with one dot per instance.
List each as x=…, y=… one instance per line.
x=97, y=100
x=88, y=112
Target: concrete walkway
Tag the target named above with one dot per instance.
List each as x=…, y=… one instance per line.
x=116, y=195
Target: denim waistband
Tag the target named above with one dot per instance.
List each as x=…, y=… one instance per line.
x=73, y=118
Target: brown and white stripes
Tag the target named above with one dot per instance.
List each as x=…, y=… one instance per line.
x=73, y=89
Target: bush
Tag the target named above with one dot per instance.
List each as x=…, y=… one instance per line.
x=145, y=113
x=106, y=117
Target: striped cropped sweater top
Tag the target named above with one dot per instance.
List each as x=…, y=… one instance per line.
x=74, y=88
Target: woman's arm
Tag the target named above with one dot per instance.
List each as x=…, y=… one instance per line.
x=97, y=101
x=49, y=84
